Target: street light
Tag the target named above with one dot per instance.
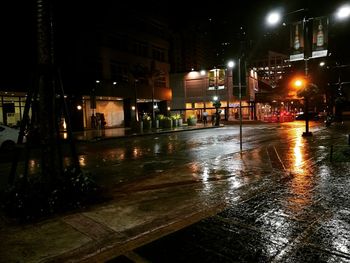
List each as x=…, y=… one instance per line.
x=302, y=85
x=298, y=83
x=215, y=81
x=319, y=45
x=273, y=18
x=231, y=64
x=217, y=105
x=343, y=12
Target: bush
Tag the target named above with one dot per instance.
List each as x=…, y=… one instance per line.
x=146, y=117
x=32, y=199
x=191, y=120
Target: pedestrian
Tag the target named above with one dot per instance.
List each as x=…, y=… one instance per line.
x=93, y=121
x=205, y=117
x=98, y=121
x=103, y=121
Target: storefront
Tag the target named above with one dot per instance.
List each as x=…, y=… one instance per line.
x=107, y=109
x=12, y=107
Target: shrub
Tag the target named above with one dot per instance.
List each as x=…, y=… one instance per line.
x=34, y=198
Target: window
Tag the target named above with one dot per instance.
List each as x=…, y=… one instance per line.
x=117, y=42
x=158, y=54
x=160, y=81
x=140, y=48
x=119, y=71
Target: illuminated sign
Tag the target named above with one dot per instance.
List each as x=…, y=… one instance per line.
x=216, y=79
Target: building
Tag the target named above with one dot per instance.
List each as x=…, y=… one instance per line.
x=271, y=73
x=116, y=69
x=194, y=92
x=126, y=71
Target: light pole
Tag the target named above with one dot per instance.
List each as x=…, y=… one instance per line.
x=240, y=103
x=217, y=105
x=135, y=100
x=216, y=100
x=303, y=84
x=231, y=65
x=319, y=45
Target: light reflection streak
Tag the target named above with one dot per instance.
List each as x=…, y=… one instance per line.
x=156, y=148
x=234, y=183
x=195, y=170
x=205, y=179
x=302, y=182
x=170, y=148
x=82, y=161
x=136, y=152
x=32, y=165
x=205, y=174
x=298, y=155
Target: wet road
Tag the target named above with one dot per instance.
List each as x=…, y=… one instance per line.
x=281, y=200
x=132, y=158
x=284, y=200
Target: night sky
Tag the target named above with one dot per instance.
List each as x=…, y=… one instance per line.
x=18, y=24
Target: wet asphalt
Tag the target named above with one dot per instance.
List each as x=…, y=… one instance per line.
x=194, y=197
x=286, y=202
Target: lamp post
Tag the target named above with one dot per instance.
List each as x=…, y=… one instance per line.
x=216, y=100
x=231, y=65
x=135, y=100
x=217, y=105
x=303, y=84
x=319, y=47
x=240, y=103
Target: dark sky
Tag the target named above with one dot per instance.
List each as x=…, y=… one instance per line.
x=18, y=21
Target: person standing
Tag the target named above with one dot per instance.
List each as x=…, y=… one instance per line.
x=93, y=121
x=205, y=117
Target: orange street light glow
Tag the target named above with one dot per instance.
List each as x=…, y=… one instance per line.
x=298, y=83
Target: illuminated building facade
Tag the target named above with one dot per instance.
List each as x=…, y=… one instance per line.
x=193, y=93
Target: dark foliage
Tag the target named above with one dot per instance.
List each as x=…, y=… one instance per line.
x=33, y=199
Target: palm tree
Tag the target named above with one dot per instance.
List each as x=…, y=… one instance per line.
x=55, y=183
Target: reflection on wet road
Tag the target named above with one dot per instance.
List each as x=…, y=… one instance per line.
x=280, y=200
x=285, y=202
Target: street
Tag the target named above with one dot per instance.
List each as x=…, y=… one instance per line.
x=295, y=212
x=193, y=197
x=131, y=158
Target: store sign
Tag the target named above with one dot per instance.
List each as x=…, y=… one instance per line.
x=320, y=37
x=216, y=79
x=297, y=46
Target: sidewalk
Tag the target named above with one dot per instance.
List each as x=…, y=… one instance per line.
x=104, y=230
x=117, y=132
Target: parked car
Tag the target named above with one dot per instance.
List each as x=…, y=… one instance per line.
x=8, y=137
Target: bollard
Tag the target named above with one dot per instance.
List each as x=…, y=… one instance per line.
x=348, y=139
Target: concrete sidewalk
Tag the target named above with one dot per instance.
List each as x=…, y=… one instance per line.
x=105, y=230
x=119, y=132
